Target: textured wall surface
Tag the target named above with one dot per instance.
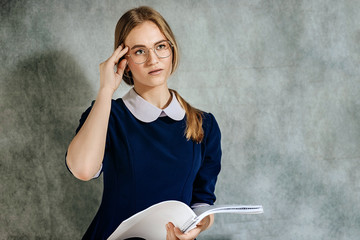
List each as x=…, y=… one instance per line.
x=282, y=78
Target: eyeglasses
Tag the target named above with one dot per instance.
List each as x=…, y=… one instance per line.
x=140, y=54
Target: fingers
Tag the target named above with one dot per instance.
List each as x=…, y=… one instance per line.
x=170, y=234
x=115, y=57
x=188, y=235
x=114, y=60
x=118, y=53
x=121, y=66
x=174, y=233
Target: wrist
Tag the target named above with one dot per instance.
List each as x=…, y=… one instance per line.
x=106, y=92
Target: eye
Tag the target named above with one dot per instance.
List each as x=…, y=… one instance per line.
x=139, y=51
x=161, y=46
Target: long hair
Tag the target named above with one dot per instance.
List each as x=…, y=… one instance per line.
x=194, y=120
x=133, y=18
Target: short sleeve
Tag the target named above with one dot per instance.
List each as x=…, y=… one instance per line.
x=204, y=184
x=81, y=123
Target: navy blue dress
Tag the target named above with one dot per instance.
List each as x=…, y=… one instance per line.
x=146, y=163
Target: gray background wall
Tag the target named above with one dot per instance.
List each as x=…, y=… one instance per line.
x=281, y=77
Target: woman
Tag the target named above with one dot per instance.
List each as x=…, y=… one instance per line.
x=151, y=145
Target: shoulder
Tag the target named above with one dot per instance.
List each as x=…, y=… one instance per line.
x=118, y=109
x=208, y=119
x=210, y=125
x=116, y=104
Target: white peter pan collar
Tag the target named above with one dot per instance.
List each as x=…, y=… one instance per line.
x=146, y=112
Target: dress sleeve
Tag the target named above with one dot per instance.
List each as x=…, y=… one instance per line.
x=204, y=184
x=81, y=123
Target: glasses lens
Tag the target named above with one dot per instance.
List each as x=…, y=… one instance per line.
x=163, y=49
x=139, y=55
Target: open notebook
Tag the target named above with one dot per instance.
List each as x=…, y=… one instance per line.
x=150, y=223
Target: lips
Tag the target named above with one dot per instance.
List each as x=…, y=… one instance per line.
x=155, y=71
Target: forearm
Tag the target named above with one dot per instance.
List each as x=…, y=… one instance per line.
x=86, y=150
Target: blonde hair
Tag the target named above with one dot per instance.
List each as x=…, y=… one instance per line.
x=194, y=120
x=136, y=16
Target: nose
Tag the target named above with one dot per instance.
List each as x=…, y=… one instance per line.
x=152, y=58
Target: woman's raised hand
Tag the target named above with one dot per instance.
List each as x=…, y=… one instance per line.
x=109, y=78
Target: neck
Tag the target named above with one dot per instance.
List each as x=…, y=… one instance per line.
x=158, y=96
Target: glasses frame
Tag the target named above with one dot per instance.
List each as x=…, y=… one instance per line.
x=154, y=50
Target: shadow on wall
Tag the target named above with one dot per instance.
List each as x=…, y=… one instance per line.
x=42, y=100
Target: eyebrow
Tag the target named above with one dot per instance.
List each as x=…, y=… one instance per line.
x=139, y=45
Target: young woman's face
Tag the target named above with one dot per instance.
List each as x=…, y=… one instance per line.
x=154, y=71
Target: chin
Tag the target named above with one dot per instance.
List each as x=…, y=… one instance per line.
x=157, y=83
x=152, y=82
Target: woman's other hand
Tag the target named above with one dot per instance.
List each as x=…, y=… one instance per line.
x=174, y=233
x=109, y=78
